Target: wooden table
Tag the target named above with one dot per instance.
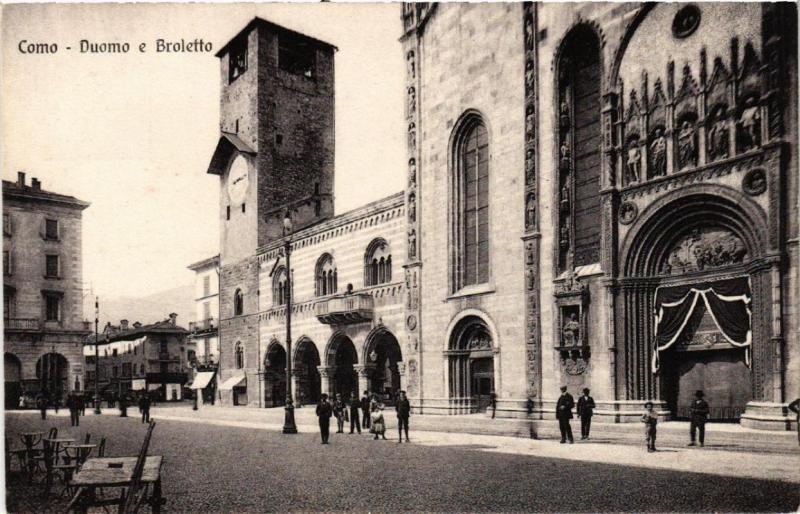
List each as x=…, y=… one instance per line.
x=79, y=452
x=57, y=443
x=98, y=472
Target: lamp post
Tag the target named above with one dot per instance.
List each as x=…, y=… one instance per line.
x=96, y=356
x=288, y=424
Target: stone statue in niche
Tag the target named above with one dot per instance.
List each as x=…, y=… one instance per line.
x=565, y=194
x=530, y=210
x=412, y=137
x=412, y=68
x=749, y=125
x=412, y=170
x=412, y=101
x=565, y=155
x=530, y=166
x=564, y=113
x=529, y=253
x=718, y=136
x=565, y=233
x=530, y=125
x=529, y=74
x=531, y=280
x=412, y=208
x=529, y=32
x=658, y=153
x=687, y=145
x=571, y=331
x=412, y=243
x=633, y=165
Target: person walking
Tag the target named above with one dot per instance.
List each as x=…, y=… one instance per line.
x=795, y=407
x=378, y=423
x=354, y=415
x=41, y=404
x=365, y=410
x=338, y=411
x=82, y=404
x=324, y=412
x=564, y=414
x=73, y=409
x=650, y=420
x=493, y=402
x=699, y=412
x=123, y=407
x=585, y=412
x=144, y=407
x=403, y=409
x=56, y=403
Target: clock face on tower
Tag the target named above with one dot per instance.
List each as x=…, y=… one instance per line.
x=238, y=180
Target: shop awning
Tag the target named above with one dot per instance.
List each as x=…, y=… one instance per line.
x=138, y=384
x=232, y=382
x=202, y=379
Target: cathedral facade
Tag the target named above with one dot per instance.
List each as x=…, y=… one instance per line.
x=598, y=195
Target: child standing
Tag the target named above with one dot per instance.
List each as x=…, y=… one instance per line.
x=650, y=419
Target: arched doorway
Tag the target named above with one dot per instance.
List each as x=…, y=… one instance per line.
x=471, y=365
x=275, y=376
x=51, y=372
x=342, y=355
x=694, y=315
x=12, y=371
x=306, y=361
x=384, y=356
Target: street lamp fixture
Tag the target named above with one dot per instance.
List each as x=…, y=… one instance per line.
x=289, y=426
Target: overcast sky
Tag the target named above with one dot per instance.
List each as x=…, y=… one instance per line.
x=133, y=133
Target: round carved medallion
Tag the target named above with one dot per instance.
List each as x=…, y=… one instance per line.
x=411, y=322
x=575, y=366
x=628, y=212
x=412, y=366
x=686, y=21
x=755, y=182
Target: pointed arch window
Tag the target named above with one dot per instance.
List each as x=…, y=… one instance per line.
x=470, y=216
x=238, y=303
x=377, y=263
x=280, y=287
x=326, y=276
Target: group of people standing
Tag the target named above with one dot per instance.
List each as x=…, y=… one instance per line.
x=371, y=415
x=585, y=411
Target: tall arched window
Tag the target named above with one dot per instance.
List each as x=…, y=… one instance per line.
x=470, y=215
x=238, y=303
x=377, y=263
x=326, y=275
x=580, y=143
x=280, y=287
x=239, y=355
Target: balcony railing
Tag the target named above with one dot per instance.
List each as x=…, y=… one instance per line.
x=203, y=325
x=22, y=324
x=344, y=309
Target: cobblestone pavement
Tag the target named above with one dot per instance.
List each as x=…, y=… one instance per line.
x=241, y=466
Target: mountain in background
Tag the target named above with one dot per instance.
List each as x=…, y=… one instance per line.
x=145, y=309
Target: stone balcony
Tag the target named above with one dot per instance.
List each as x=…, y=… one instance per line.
x=22, y=324
x=345, y=309
x=206, y=325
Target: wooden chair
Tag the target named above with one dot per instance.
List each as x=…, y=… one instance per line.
x=136, y=494
x=87, y=439
x=15, y=453
x=101, y=448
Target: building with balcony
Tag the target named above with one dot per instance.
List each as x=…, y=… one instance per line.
x=599, y=195
x=156, y=358
x=204, y=330
x=43, y=327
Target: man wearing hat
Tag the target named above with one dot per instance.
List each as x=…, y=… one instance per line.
x=564, y=414
x=324, y=412
x=585, y=411
x=699, y=410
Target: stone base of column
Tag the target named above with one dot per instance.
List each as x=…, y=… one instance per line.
x=768, y=416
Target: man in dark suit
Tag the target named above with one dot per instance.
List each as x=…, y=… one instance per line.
x=585, y=412
x=365, y=403
x=354, y=418
x=699, y=411
x=324, y=413
x=403, y=409
x=144, y=408
x=564, y=414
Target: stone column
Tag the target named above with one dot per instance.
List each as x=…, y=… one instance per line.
x=364, y=375
x=297, y=377
x=327, y=374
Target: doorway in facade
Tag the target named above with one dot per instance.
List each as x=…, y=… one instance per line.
x=12, y=371
x=385, y=356
x=275, y=376
x=306, y=362
x=343, y=356
x=470, y=366
x=51, y=373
